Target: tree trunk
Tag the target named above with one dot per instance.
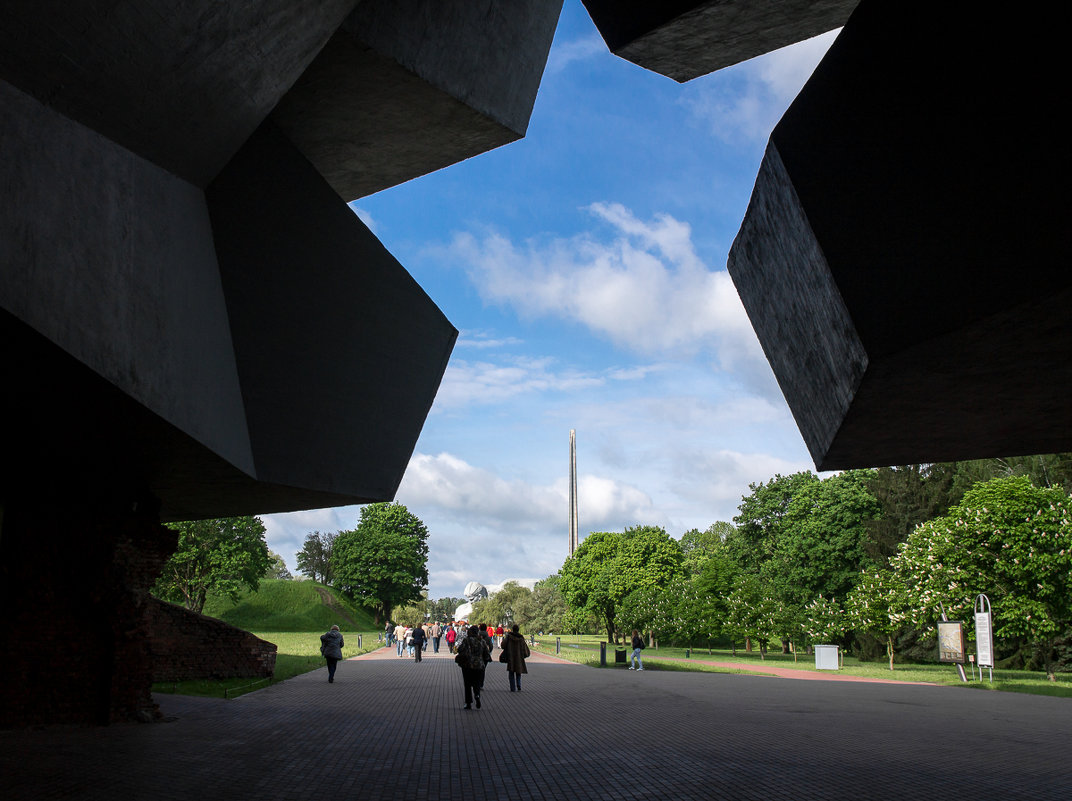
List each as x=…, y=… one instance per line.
x=889, y=648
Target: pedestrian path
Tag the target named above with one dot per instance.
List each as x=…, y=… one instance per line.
x=391, y=728
x=787, y=673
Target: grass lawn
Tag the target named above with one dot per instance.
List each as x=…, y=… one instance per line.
x=585, y=650
x=299, y=652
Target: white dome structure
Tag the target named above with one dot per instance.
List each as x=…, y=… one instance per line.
x=475, y=591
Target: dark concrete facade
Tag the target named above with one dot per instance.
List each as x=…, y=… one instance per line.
x=192, y=321
x=193, y=324
x=904, y=255
x=684, y=39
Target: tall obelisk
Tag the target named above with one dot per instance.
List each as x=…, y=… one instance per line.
x=572, y=491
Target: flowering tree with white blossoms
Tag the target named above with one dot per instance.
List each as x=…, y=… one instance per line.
x=823, y=621
x=878, y=604
x=1009, y=539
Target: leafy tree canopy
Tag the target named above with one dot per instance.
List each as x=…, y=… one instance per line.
x=277, y=567
x=608, y=566
x=506, y=607
x=442, y=609
x=384, y=561
x=314, y=559
x=760, y=516
x=819, y=545
x=698, y=546
x=545, y=609
x=221, y=556
x=1008, y=539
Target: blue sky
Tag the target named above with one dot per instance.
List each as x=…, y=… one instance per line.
x=585, y=267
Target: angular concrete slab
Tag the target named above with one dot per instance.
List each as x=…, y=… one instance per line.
x=406, y=88
x=339, y=351
x=182, y=84
x=259, y=351
x=684, y=39
x=904, y=255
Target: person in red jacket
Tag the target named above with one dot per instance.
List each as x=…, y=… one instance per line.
x=451, y=635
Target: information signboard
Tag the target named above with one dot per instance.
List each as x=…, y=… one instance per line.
x=951, y=645
x=984, y=632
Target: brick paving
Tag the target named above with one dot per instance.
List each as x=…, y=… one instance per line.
x=392, y=729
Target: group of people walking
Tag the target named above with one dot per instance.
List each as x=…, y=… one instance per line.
x=471, y=646
x=412, y=640
x=474, y=654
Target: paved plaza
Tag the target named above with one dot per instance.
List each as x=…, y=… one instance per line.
x=389, y=728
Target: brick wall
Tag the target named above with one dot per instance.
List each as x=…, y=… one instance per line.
x=74, y=586
x=186, y=645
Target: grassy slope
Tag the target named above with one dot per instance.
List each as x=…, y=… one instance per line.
x=290, y=606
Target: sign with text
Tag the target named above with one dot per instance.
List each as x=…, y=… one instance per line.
x=984, y=632
x=951, y=645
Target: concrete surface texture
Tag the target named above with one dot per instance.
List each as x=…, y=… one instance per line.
x=390, y=728
x=903, y=256
x=684, y=39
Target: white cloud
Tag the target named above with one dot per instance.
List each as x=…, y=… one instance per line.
x=566, y=53
x=286, y=532
x=644, y=289
x=483, y=340
x=467, y=383
x=364, y=216
x=744, y=102
x=478, y=498
x=717, y=480
x=490, y=528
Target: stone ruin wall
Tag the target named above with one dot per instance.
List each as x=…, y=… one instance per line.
x=186, y=645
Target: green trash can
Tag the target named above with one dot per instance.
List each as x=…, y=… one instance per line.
x=619, y=655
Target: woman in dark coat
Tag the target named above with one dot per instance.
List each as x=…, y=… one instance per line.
x=331, y=649
x=473, y=656
x=516, y=650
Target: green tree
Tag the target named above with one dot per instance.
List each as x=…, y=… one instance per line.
x=384, y=561
x=314, y=559
x=545, y=609
x=648, y=609
x=221, y=556
x=277, y=567
x=879, y=605
x=443, y=608
x=505, y=607
x=907, y=496
x=1010, y=540
x=819, y=546
x=752, y=613
x=823, y=621
x=411, y=614
x=698, y=546
x=1044, y=470
x=608, y=566
x=760, y=518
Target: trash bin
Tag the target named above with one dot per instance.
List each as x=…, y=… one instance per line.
x=619, y=655
x=826, y=657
